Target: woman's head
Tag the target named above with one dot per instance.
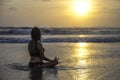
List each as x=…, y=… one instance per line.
x=35, y=34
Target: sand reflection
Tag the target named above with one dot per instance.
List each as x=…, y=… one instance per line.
x=82, y=60
x=81, y=54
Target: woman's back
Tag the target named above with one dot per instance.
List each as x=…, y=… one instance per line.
x=32, y=47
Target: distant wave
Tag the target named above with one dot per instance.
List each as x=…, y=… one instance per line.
x=75, y=39
x=61, y=31
x=20, y=35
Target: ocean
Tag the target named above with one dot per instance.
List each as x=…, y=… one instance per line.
x=22, y=35
x=84, y=53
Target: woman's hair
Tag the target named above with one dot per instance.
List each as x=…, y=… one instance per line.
x=35, y=34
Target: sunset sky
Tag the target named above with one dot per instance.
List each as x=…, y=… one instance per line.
x=60, y=13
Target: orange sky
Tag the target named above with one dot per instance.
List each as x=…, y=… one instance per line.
x=60, y=13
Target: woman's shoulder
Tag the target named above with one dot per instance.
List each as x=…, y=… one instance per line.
x=39, y=44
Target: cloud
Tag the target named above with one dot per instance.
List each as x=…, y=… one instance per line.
x=12, y=8
x=108, y=12
x=42, y=0
x=4, y=1
x=46, y=0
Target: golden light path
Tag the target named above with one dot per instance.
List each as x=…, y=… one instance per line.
x=81, y=55
x=81, y=7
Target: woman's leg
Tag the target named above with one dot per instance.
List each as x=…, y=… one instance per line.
x=49, y=64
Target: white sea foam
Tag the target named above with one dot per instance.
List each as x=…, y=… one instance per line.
x=21, y=35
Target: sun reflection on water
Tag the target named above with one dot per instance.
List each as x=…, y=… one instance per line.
x=81, y=51
x=81, y=55
x=82, y=44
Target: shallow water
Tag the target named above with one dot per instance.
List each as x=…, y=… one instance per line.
x=78, y=61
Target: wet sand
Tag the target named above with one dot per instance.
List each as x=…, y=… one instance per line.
x=79, y=61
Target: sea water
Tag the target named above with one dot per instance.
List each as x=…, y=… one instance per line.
x=22, y=35
x=96, y=57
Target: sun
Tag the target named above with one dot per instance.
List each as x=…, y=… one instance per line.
x=81, y=7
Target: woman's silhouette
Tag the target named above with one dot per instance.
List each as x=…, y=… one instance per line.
x=36, y=51
x=36, y=74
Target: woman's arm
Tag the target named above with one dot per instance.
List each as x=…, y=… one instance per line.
x=41, y=52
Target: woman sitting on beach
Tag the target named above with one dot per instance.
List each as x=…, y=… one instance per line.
x=36, y=51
